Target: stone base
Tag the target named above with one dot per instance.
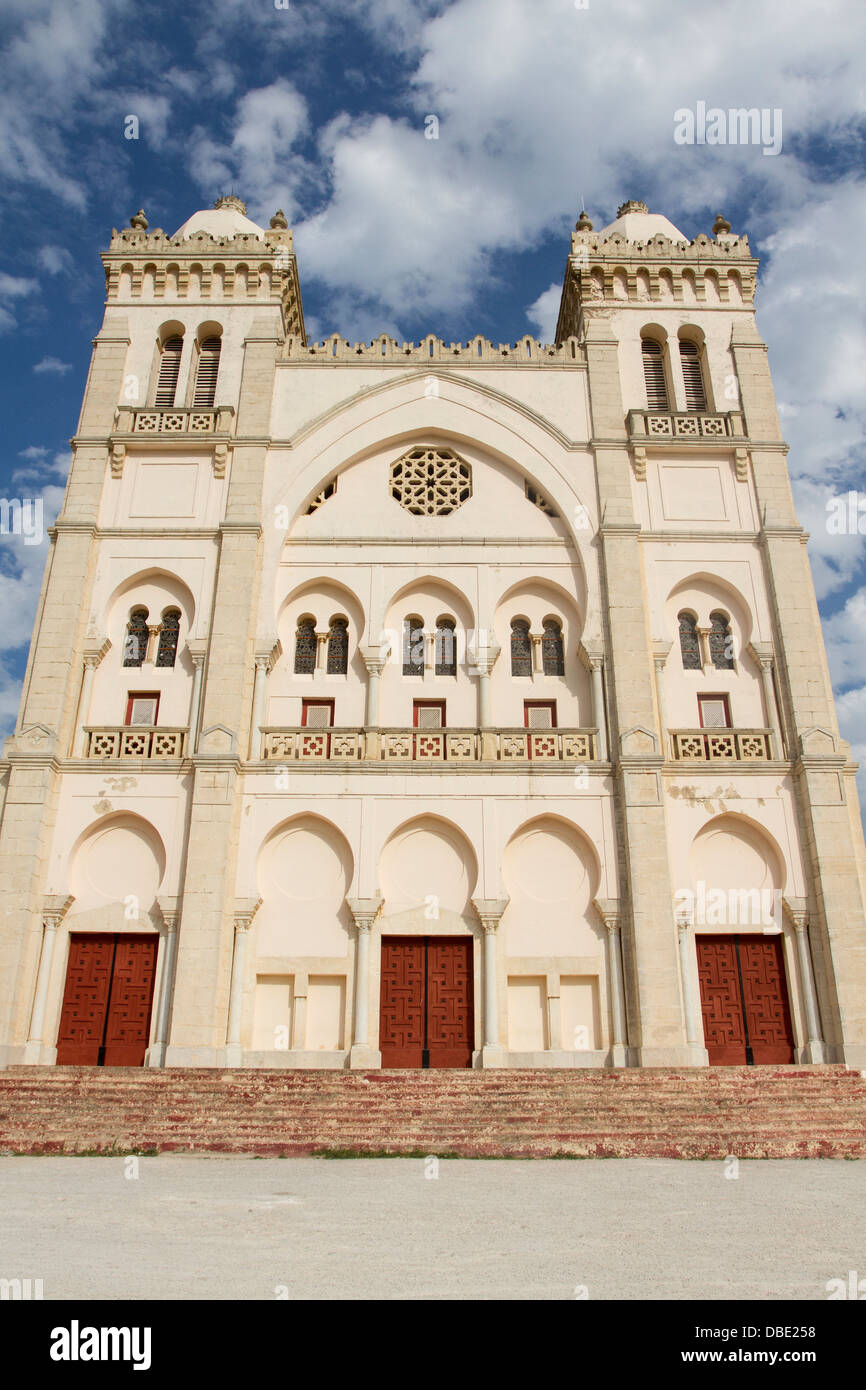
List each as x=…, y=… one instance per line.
x=492, y=1057
x=558, y=1058
x=854, y=1056
x=814, y=1052
x=619, y=1055
x=680, y=1056
x=295, y=1060
x=364, y=1058
x=36, y=1054
x=155, y=1056
x=194, y=1057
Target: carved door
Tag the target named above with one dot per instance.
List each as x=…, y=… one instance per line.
x=744, y=1000
x=105, y=1019
x=425, y=1011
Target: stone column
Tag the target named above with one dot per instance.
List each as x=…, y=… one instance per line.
x=321, y=655
x=374, y=660
x=661, y=651
x=54, y=910
x=490, y=912
x=704, y=641
x=814, y=1050
x=483, y=658
x=364, y=911
x=170, y=909
x=762, y=653
x=197, y=648
x=244, y=915
x=153, y=631
x=265, y=660
x=608, y=910
x=536, y=639
x=698, y=1055
x=592, y=656
x=92, y=658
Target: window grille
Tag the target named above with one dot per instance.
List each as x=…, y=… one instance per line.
x=721, y=643
x=305, y=647
x=654, y=375
x=693, y=380
x=206, y=376
x=135, y=645
x=552, y=655
x=446, y=647
x=168, y=638
x=169, y=367
x=430, y=482
x=338, y=647
x=413, y=647
x=521, y=648
x=690, y=646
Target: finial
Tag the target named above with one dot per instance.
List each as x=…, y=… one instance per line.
x=231, y=200
x=583, y=223
x=139, y=221
x=721, y=226
x=632, y=206
x=278, y=221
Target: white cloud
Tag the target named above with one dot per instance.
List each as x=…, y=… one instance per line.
x=53, y=365
x=55, y=259
x=544, y=311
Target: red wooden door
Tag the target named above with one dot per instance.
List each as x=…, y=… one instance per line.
x=425, y=1006
x=744, y=1000
x=85, y=999
x=402, y=1001
x=105, y=1019
x=127, y=1027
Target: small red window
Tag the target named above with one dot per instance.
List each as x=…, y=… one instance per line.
x=714, y=711
x=142, y=707
x=317, y=714
x=428, y=714
x=539, y=714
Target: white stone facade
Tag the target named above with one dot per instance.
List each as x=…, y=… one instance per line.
x=573, y=823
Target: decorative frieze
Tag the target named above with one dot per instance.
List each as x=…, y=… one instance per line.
x=721, y=745
x=139, y=741
x=648, y=426
x=505, y=746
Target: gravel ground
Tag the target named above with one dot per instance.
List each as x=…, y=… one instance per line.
x=236, y=1228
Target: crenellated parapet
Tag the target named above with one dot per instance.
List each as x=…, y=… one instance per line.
x=432, y=351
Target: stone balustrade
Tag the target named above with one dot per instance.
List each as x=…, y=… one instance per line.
x=502, y=746
x=722, y=745
x=176, y=420
x=135, y=741
x=644, y=425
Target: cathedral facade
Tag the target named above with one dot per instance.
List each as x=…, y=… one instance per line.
x=437, y=704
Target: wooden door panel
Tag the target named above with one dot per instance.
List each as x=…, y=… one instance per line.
x=449, y=1002
x=724, y=1031
x=85, y=999
x=768, y=1019
x=128, y=1025
x=744, y=1000
x=401, y=1002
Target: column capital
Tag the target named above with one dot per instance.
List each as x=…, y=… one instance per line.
x=798, y=911
x=591, y=655
x=483, y=650
x=268, y=654
x=762, y=653
x=170, y=909
x=197, y=648
x=244, y=912
x=54, y=908
x=609, y=911
x=661, y=651
x=93, y=653
x=374, y=659
x=490, y=911
x=364, y=911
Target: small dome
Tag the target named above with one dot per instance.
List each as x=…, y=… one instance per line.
x=227, y=218
x=635, y=222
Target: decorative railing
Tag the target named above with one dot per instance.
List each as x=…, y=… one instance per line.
x=177, y=420
x=655, y=424
x=722, y=745
x=432, y=350
x=429, y=745
x=135, y=741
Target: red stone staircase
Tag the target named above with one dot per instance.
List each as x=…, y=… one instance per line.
x=753, y=1112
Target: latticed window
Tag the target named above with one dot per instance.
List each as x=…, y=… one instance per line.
x=169, y=633
x=305, y=647
x=446, y=647
x=552, y=655
x=206, y=376
x=169, y=368
x=338, y=647
x=693, y=378
x=721, y=643
x=413, y=647
x=135, y=645
x=654, y=374
x=521, y=648
x=690, y=644
x=430, y=482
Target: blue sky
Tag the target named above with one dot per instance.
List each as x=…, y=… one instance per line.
x=320, y=108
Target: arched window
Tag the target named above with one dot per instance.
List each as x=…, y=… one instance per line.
x=169, y=633
x=305, y=647
x=690, y=645
x=206, y=376
x=446, y=647
x=521, y=648
x=135, y=646
x=169, y=367
x=413, y=646
x=693, y=379
x=338, y=647
x=552, y=655
x=654, y=374
x=721, y=643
